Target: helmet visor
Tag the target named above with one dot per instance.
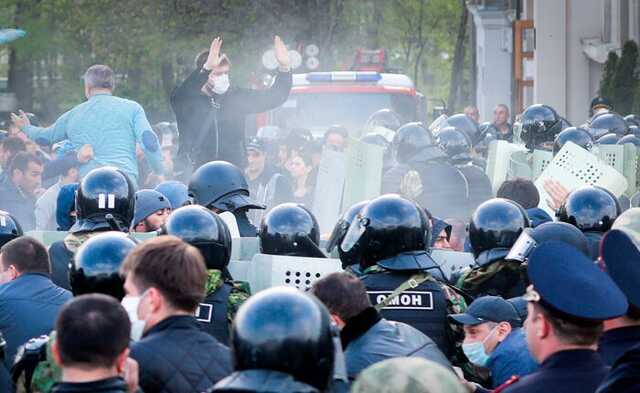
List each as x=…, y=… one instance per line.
x=523, y=247
x=338, y=234
x=357, y=228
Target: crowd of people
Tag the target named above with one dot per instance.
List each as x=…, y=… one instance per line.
x=551, y=303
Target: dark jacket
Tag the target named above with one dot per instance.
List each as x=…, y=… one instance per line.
x=615, y=342
x=571, y=371
x=212, y=128
x=21, y=206
x=271, y=188
x=368, y=339
x=624, y=376
x=109, y=385
x=478, y=186
x=261, y=381
x=60, y=258
x=29, y=306
x=175, y=356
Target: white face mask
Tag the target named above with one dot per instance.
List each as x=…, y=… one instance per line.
x=131, y=304
x=221, y=83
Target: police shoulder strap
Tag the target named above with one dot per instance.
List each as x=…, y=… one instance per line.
x=411, y=283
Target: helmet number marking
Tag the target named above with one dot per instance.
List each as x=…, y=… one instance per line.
x=106, y=201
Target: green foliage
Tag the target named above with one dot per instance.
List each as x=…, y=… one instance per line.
x=151, y=44
x=626, y=78
x=608, y=75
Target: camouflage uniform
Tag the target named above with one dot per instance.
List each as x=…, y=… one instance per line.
x=501, y=278
x=46, y=374
x=240, y=291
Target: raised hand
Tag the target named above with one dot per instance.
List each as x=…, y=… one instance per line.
x=21, y=120
x=214, y=54
x=282, y=54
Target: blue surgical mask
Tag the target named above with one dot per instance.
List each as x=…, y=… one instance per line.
x=475, y=351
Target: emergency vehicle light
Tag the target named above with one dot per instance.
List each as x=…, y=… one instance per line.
x=345, y=76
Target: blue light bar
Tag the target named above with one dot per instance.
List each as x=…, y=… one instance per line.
x=344, y=76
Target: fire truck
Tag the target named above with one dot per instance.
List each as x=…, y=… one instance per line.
x=319, y=100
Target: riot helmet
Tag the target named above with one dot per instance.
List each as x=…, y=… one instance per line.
x=634, y=130
x=635, y=199
x=9, y=228
x=104, y=191
x=413, y=140
x=606, y=123
x=385, y=118
x=290, y=229
x=540, y=125
x=339, y=232
x=204, y=230
x=488, y=133
x=465, y=124
x=590, y=209
x=630, y=139
x=495, y=226
x=282, y=329
x=579, y=136
x=608, y=139
x=530, y=238
x=632, y=120
x=455, y=143
x=96, y=265
x=392, y=232
x=176, y=192
x=222, y=186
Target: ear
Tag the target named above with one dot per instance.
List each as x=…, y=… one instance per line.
x=156, y=300
x=121, y=360
x=338, y=321
x=504, y=329
x=55, y=352
x=543, y=328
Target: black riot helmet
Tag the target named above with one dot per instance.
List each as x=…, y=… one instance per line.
x=221, y=185
x=579, y=136
x=339, y=232
x=9, y=228
x=590, y=209
x=540, y=125
x=608, y=139
x=606, y=123
x=632, y=120
x=412, y=140
x=530, y=238
x=290, y=229
x=634, y=130
x=467, y=125
x=488, y=133
x=285, y=330
x=455, y=143
x=496, y=225
x=392, y=232
x=101, y=192
x=384, y=118
x=630, y=139
x=96, y=265
x=204, y=230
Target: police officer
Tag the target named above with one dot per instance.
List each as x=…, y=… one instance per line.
x=290, y=229
x=104, y=201
x=591, y=209
x=221, y=187
x=9, y=228
x=390, y=236
x=282, y=341
x=384, y=122
x=465, y=124
x=423, y=173
x=608, y=139
x=206, y=231
x=540, y=125
x=632, y=139
x=530, y=238
x=151, y=211
x=622, y=333
x=577, y=135
x=95, y=269
x=569, y=297
x=176, y=192
x=494, y=227
x=608, y=123
x=457, y=145
x=350, y=261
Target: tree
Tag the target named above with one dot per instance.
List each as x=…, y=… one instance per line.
x=608, y=75
x=626, y=80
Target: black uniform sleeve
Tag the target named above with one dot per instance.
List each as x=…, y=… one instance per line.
x=257, y=101
x=190, y=88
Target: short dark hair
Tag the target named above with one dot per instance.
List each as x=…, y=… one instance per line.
x=202, y=56
x=13, y=144
x=173, y=267
x=27, y=254
x=520, y=190
x=569, y=331
x=21, y=162
x=343, y=294
x=92, y=330
x=504, y=106
x=337, y=129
